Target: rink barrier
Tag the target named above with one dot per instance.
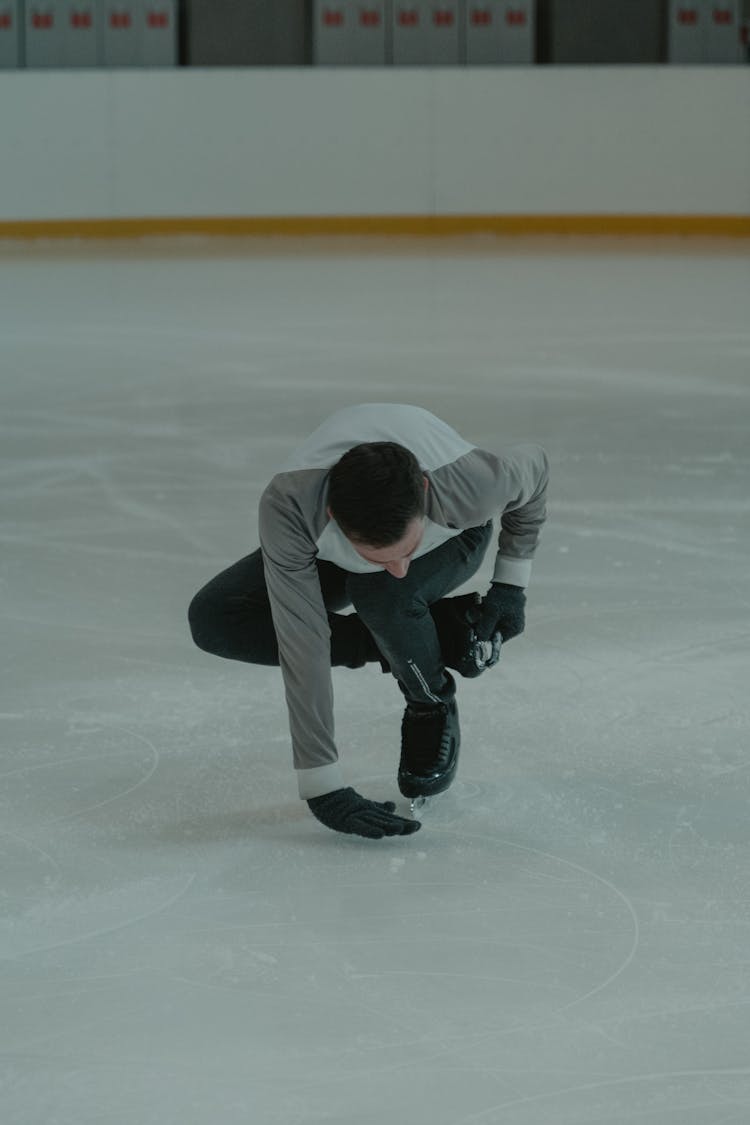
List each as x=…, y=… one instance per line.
x=711, y=226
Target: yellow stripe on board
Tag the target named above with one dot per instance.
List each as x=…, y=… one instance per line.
x=722, y=226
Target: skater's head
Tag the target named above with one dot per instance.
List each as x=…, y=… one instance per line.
x=377, y=496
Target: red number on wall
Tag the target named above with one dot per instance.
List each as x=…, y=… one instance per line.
x=516, y=17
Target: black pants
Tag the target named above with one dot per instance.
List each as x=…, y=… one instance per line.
x=231, y=615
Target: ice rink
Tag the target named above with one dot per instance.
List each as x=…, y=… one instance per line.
x=567, y=940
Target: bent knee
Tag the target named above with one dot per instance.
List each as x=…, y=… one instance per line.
x=202, y=628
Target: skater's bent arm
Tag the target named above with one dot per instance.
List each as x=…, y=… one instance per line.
x=513, y=484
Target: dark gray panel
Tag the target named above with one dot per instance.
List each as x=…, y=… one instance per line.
x=246, y=32
x=607, y=32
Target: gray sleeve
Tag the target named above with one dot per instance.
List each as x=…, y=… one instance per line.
x=301, y=623
x=513, y=484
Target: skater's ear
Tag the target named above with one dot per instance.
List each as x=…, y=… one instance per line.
x=426, y=483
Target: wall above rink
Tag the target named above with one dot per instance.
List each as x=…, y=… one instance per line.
x=136, y=151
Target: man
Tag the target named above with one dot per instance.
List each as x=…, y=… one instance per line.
x=385, y=508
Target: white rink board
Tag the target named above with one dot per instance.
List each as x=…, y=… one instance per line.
x=545, y=140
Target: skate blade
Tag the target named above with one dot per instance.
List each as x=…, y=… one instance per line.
x=421, y=805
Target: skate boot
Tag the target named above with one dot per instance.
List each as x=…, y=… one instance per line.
x=455, y=619
x=430, y=740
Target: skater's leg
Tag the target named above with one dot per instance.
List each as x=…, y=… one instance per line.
x=397, y=611
x=231, y=616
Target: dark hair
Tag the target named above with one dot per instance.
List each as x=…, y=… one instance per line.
x=375, y=491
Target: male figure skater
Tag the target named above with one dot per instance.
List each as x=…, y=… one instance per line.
x=387, y=509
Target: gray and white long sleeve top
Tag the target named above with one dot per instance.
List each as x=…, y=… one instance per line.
x=467, y=487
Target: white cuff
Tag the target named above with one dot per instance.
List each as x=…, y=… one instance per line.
x=516, y=572
x=319, y=780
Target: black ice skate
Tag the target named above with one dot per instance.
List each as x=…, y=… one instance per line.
x=455, y=619
x=430, y=740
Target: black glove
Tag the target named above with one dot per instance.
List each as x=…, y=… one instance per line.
x=501, y=611
x=345, y=811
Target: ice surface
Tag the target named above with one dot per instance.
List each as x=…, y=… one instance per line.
x=567, y=940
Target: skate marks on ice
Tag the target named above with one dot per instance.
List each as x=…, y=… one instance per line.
x=43, y=786
x=669, y=1096
x=530, y=884
x=636, y=1034
x=408, y=957
x=490, y=893
x=456, y=958
x=117, y=751
x=451, y=963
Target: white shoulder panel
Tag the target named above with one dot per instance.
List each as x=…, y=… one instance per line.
x=432, y=441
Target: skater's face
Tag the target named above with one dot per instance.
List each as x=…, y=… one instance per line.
x=396, y=558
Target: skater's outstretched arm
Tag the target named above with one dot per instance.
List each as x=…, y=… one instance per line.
x=303, y=633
